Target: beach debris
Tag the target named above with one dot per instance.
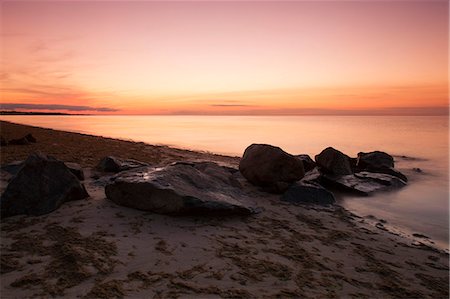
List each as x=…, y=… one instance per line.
x=362, y=183
x=333, y=162
x=3, y=141
x=202, y=188
x=379, y=162
x=114, y=164
x=308, y=163
x=41, y=185
x=270, y=167
x=27, y=139
x=308, y=192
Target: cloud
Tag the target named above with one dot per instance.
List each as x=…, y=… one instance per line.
x=230, y=105
x=12, y=106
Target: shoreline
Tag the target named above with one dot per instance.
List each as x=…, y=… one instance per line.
x=286, y=250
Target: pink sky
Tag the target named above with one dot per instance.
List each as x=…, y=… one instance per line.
x=225, y=57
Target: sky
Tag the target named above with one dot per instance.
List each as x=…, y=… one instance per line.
x=225, y=58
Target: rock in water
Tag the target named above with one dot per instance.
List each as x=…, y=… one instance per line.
x=375, y=159
x=307, y=192
x=333, y=162
x=270, y=167
x=362, y=183
x=378, y=162
x=308, y=163
x=113, y=164
x=180, y=189
x=41, y=185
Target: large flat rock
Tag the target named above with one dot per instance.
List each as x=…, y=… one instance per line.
x=180, y=189
x=363, y=183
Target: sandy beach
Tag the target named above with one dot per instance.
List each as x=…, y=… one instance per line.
x=96, y=249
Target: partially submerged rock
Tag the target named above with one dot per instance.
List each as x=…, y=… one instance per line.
x=180, y=189
x=114, y=164
x=362, y=183
x=41, y=185
x=270, y=167
x=379, y=162
x=375, y=159
x=308, y=192
x=333, y=162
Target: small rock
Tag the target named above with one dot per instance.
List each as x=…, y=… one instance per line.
x=30, y=138
x=19, y=141
x=418, y=170
x=113, y=164
x=3, y=141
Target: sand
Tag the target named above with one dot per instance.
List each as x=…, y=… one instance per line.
x=97, y=249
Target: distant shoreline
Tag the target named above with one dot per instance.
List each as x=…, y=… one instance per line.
x=35, y=113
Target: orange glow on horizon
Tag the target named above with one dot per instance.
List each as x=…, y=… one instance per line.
x=225, y=58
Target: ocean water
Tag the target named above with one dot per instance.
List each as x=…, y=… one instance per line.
x=421, y=207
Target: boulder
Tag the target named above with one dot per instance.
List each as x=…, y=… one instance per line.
x=41, y=185
x=113, y=164
x=3, y=141
x=374, y=159
x=202, y=188
x=270, y=167
x=333, y=162
x=309, y=193
x=76, y=170
x=378, y=162
x=362, y=183
x=308, y=163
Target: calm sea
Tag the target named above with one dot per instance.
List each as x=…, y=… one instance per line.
x=421, y=207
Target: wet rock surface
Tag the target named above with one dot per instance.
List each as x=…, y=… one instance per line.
x=114, y=164
x=40, y=186
x=180, y=189
x=362, y=183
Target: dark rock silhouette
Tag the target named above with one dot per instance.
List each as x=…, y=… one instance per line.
x=362, y=183
x=308, y=163
x=113, y=164
x=308, y=192
x=27, y=139
x=76, y=170
x=3, y=141
x=180, y=189
x=40, y=186
x=375, y=159
x=334, y=162
x=270, y=167
x=379, y=162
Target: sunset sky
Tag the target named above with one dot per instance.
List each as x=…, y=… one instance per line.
x=141, y=57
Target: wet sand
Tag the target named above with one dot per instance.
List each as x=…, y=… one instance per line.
x=97, y=249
